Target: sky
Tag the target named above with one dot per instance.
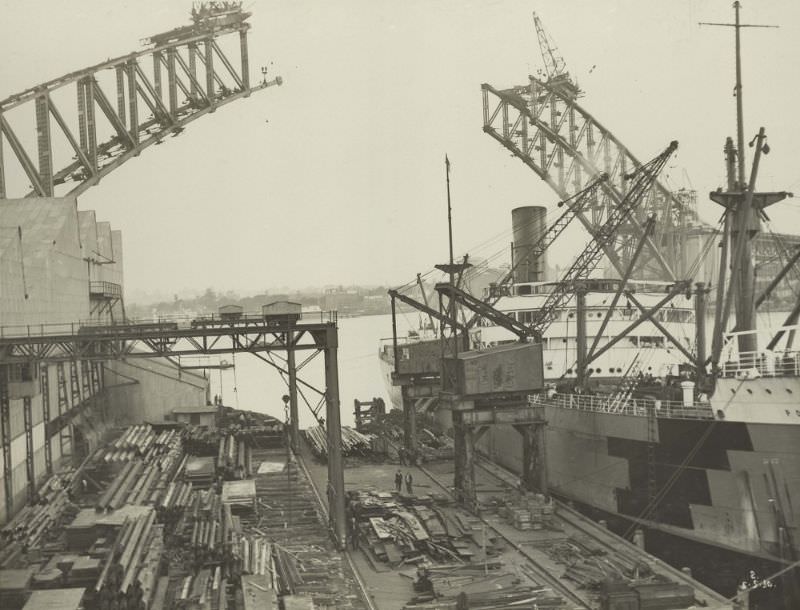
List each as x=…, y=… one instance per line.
x=337, y=176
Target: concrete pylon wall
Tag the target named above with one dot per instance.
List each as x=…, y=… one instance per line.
x=529, y=224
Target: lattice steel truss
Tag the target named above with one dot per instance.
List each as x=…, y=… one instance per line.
x=123, y=106
x=543, y=125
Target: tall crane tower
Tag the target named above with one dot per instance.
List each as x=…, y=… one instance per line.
x=556, y=68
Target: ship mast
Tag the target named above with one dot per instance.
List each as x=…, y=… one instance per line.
x=743, y=210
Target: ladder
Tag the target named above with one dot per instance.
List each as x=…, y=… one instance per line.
x=627, y=385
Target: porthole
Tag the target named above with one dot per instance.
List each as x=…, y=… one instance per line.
x=768, y=391
x=720, y=414
x=569, y=371
x=598, y=370
x=749, y=391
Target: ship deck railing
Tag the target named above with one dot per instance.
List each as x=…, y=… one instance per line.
x=615, y=405
x=751, y=365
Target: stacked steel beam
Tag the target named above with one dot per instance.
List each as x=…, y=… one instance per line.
x=353, y=442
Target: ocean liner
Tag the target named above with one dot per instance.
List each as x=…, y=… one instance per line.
x=643, y=421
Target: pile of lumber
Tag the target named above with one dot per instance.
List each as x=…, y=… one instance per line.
x=589, y=565
x=473, y=586
x=394, y=534
x=353, y=442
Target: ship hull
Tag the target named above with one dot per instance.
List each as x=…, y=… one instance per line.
x=736, y=491
x=740, y=490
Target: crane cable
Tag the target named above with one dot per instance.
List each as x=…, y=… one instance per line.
x=651, y=506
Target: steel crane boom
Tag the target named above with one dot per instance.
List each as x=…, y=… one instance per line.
x=642, y=179
x=575, y=206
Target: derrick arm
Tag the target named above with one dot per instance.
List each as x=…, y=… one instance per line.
x=575, y=206
x=433, y=313
x=777, y=280
x=483, y=310
x=588, y=260
x=425, y=298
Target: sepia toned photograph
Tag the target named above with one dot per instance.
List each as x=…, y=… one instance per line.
x=424, y=305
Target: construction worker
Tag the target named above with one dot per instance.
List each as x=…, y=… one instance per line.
x=398, y=481
x=354, y=532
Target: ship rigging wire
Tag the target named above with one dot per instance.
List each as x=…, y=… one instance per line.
x=650, y=508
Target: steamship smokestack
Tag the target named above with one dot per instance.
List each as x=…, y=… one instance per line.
x=529, y=224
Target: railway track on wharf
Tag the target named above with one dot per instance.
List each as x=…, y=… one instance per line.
x=609, y=541
x=539, y=571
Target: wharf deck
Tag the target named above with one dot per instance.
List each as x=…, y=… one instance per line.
x=529, y=555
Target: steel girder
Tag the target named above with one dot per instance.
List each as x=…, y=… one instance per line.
x=146, y=109
x=161, y=341
x=568, y=148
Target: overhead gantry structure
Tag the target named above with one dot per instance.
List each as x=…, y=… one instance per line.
x=544, y=126
x=256, y=335
x=122, y=106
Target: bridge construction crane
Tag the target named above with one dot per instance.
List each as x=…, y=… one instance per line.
x=542, y=124
x=123, y=105
x=554, y=64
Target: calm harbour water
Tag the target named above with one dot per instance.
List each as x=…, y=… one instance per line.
x=256, y=386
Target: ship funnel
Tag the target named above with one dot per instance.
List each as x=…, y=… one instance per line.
x=529, y=224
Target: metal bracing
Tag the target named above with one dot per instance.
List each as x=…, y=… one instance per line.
x=648, y=314
x=575, y=206
x=648, y=230
x=63, y=408
x=159, y=340
x=145, y=111
x=202, y=336
x=76, y=396
x=604, y=238
x=5, y=433
x=426, y=309
x=86, y=384
x=567, y=147
x=44, y=376
x=29, y=465
x=482, y=309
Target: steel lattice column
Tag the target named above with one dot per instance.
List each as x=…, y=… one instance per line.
x=85, y=381
x=291, y=365
x=2, y=169
x=29, y=466
x=245, y=72
x=45, y=386
x=336, y=504
x=5, y=432
x=409, y=421
x=44, y=143
x=63, y=402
